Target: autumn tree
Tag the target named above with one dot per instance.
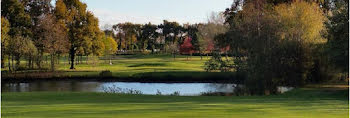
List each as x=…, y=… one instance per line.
x=75, y=17
x=18, y=47
x=110, y=47
x=5, y=27
x=174, y=48
x=37, y=9
x=127, y=34
x=187, y=47
x=208, y=31
x=19, y=20
x=54, y=37
x=93, y=43
x=273, y=45
x=300, y=31
x=20, y=25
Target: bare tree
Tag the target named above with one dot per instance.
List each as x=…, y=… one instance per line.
x=54, y=37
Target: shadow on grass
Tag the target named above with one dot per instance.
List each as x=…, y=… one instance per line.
x=148, y=65
x=193, y=76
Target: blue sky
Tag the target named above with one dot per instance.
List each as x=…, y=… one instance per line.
x=155, y=11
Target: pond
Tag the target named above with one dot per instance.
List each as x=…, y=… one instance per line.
x=184, y=89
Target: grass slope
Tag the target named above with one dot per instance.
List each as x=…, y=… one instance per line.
x=299, y=103
x=123, y=66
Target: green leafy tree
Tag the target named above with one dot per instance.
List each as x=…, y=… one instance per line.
x=20, y=25
x=5, y=28
x=127, y=34
x=338, y=35
x=36, y=9
x=338, y=43
x=171, y=31
x=75, y=17
x=14, y=12
x=18, y=47
x=150, y=34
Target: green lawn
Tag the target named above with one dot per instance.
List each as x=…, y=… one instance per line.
x=135, y=64
x=128, y=65
x=299, y=103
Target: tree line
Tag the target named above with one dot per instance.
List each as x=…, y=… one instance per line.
x=33, y=28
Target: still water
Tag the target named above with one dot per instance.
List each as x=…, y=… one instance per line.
x=184, y=89
x=145, y=88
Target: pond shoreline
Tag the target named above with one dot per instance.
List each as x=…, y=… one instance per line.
x=118, y=79
x=149, y=77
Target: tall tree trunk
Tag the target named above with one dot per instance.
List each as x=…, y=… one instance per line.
x=13, y=67
x=18, y=61
x=77, y=60
x=52, y=62
x=2, y=60
x=39, y=59
x=33, y=62
x=64, y=60
x=106, y=59
x=191, y=56
x=28, y=62
x=57, y=59
x=110, y=60
x=9, y=63
x=72, y=56
x=87, y=59
x=46, y=60
x=69, y=59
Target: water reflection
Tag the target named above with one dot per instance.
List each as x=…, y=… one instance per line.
x=145, y=88
x=50, y=86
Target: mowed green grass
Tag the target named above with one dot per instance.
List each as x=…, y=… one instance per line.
x=299, y=103
x=129, y=65
x=142, y=63
x=126, y=66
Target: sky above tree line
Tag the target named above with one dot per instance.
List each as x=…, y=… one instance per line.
x=154, y=11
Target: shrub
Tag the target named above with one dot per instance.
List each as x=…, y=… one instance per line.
x=176, y=93
x=106, y=73
x=118, y=90
x=158, y=92
x=217, y=64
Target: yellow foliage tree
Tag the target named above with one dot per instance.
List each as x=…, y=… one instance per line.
x=301, y=21
x=110, y=47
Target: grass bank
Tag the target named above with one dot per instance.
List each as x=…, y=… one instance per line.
x=147, y=68
x=299, y=103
